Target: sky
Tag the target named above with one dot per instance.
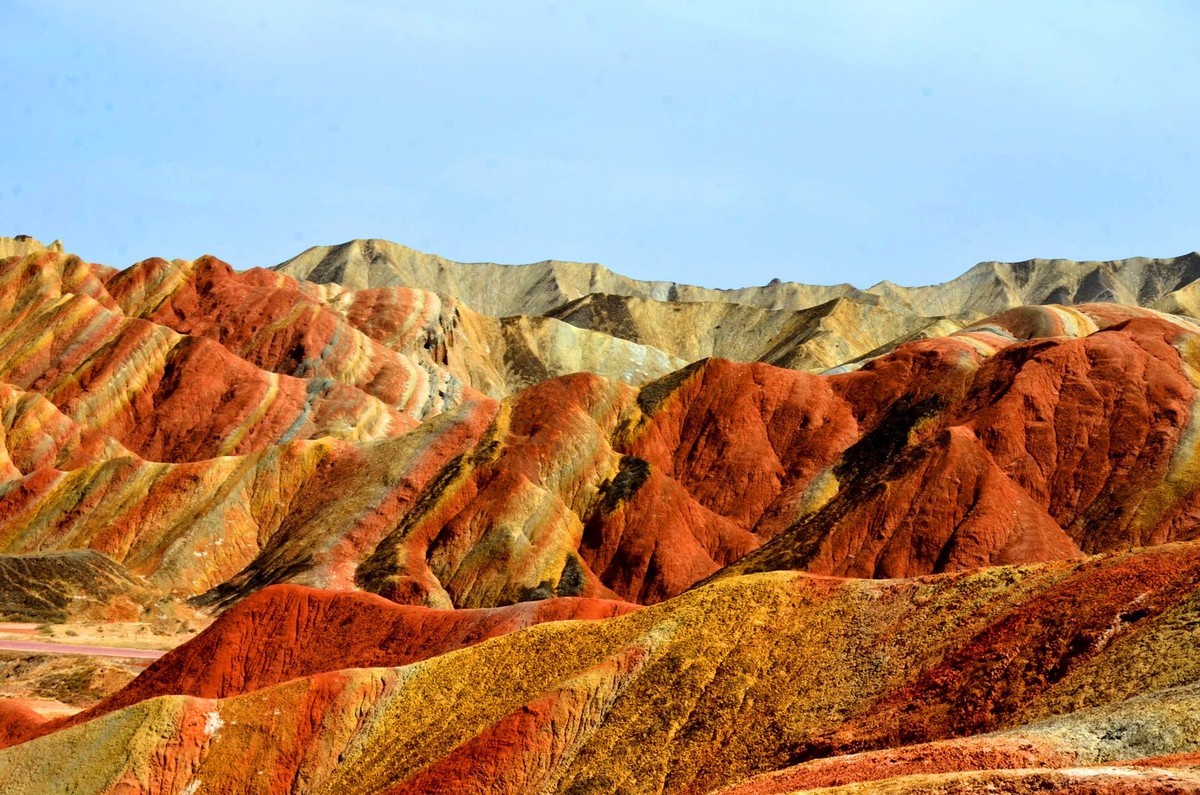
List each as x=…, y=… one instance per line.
x=716, y=143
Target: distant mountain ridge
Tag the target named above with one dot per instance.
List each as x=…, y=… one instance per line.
x=526, y=289
x=789, y=324
x=539, y=287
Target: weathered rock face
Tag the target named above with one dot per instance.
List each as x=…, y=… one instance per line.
x=282, y=633
x=22, y=245
x=502, y=290
x=1040, y=434
x=965, y=558
x=59, y=586
x=410, y=348
x=806, y=327
x=506, y=290
x=992, y=287
x=753, y=682
x=813, y=339
x=272, y=324
x=979, y=449
x=304, y=511
x=585, y=487
x=163, y=395
x=1043, y=450
x=208, y=428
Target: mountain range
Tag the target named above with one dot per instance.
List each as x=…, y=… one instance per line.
x=545, y=528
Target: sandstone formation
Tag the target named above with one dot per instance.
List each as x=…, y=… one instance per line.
x=541, y=529
x=808, y=327
x=22, y=245
x=1042, y=433
x=499, y=356
x=720, y=687
x=305, y=329
x=282, y=633
x=505, y=290
x=56, y=587
x=982, y=448
x=123, y=395
x=164, y=395
x=502, y=290
x=814, y=339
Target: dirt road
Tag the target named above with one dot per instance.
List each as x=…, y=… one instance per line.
x=41, y=647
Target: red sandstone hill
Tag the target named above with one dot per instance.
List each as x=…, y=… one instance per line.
x=1040, y=434
x=1023, y=679
x=953, y=564
x=1049, y=448
x=978, y=449
x=287, y=631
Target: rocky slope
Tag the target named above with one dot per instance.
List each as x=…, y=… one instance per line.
x=761, y=682
x=500, y=290
x=977, y=449
x=217, y=432
x=187, y=420
x=815, y=339
x=808, y=327
x=503, y=290
x=495, y=356
x=22, y=245
x=282, y=633
x=166, y=395
x=452, y=551
x=59, y=586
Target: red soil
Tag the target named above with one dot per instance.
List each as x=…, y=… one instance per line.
x=1046, y=450
x=288, y=631
x=989, y=679
x=18, y=722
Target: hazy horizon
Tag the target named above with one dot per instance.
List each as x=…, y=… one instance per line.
x=685, y=142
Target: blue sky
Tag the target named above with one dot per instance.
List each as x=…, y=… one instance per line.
x=709, y=142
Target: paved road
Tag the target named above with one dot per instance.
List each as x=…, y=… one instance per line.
x=41, y=647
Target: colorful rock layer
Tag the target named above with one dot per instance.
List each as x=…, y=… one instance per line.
x=1079, y=675
x=443, y=561
x=216, y=432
